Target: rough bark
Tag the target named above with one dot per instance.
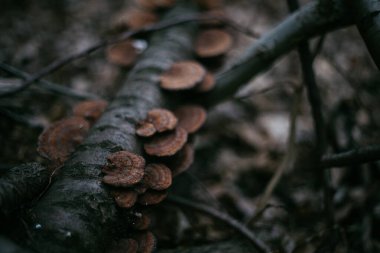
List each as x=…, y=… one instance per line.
x=367, y=18
x=304, y=24
x=20, y=185
x=77, y=214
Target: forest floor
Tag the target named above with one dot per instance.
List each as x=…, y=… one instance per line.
x=244, y=140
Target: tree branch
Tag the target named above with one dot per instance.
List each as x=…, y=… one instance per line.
x=352, y=157
x=49, y=86
x=77, y=214
x=367, y=18
x=302, y=25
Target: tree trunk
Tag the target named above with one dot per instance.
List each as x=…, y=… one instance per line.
x=77, y=214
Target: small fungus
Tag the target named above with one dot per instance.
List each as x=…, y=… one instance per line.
x=212, y=43
x=166, y=144
x=138, y=18
x=125, y=198
x=124, y=246
x=123, y=54
x=191, y=117
x=145, y=129
x=162, y=119
x=207, y=84
x=157, y=176
x=182, y=160
x=141, y=222
x=152, y=197
x=59, y=140
x=182, y=76
x=147, y=242
x=91, y=110
x=123, y=169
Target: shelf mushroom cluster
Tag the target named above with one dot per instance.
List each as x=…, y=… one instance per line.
x=59, y=140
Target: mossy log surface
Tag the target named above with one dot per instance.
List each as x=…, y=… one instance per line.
x=77, y=214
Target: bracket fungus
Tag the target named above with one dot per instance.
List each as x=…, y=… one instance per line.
x=157, y=176
x=140, y=222
x=213, y=43
x=152, y=197
x=191, y=117
x=181, y=161
x=125, y=198
x=182, y=75
x=123, y=169
x=157, y=120
x=156, y=4
x=207, y=84
x=59, y=140
x=123, y=54
x=166, y=144
x=137, y=18
x=147, y=242
x=124, y=246
x=91, y=110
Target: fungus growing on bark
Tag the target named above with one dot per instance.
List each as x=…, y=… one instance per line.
x=152, y=197
x=140, y=222
x=125, y=198
x=147, y=242
x=156, y=4
x=212, y=43
x=138, y=18
x=157, y=176
x=91, y=110
x=182, y=75
x=207, y=84
x=140, y=188
x=181, y=161
x=166, y=144
x=123, y=169
x=123, y=54
x=124, y=246
x=157, y=120
x=191, y=117
x=59, y=140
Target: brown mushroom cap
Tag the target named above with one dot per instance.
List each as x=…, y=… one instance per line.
x=162, y=119
x=166, y=144
x=138, y=18
x=122, y=54
x=123, y=169
x=145, y=129
x=147, y=242
x=125, y=198
x=152, y=197
x=182, y=160
x=141, y=222
x=182, y=76
x=91, y=110
x=191, y=117
x=156, y=4
x=59, y=140
x=212, y=43
x=124, y=246
x=207, y=84
x=157, y=176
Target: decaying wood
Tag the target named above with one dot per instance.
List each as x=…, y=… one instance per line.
x=78, y=214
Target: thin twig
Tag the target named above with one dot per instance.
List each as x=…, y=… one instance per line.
x=314, y=98
x=286, y=162
x=352, y=157
x=106, y=42
x=224, y=217
x=49, y=86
